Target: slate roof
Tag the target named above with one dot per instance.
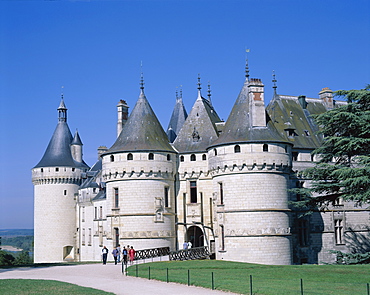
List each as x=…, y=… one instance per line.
x=238, y=128
x=199, y=129
x=142, y=131
x=58, y=152
x=177, y=120
x=293, y=116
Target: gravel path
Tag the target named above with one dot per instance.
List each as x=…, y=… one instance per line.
x=104, y=277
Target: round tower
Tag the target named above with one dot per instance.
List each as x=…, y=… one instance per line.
x=139, y=171
x=56, y=179
x=250, y=165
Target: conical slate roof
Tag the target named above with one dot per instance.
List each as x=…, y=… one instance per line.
x=58, y=152
x=199, y=129
x=77, y=139
x=178, y=118
x=238, y=126
x=142, y=131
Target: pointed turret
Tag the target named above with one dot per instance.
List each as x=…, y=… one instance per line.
x=58, y=152
x=76, y=148
x=248, y=121
x=177, y=120
x=142, y=130
x=199, y=129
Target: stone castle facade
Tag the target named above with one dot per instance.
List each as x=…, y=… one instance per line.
x=219, y=184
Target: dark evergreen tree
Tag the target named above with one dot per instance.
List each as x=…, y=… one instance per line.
x=6, y=259
x=343, y=170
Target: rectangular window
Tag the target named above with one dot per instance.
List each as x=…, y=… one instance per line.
x=193, y=192
x=100, y=235
x=89, y=241
x=101, y=212
x=338, y=231
x=221, y=193
x=95, y=212
x=83, y=237
x=303, y=233
x=166, y=196
x=116, y=234
x=116, y=198
x=222, y=242
x=83, y=214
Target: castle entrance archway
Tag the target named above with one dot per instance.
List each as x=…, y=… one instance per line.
x=195, y=235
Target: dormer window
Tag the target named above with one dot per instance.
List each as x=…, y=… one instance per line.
x=204, y=157
x=306, y=132
x=290, y=132
x=192, y=157
x=130, y=157
x=265, y=148
x=237, y=149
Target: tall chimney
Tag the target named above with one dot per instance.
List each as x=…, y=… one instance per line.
x=257, y=103
x=122, y=110
x=326, y=94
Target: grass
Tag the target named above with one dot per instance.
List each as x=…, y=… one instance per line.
x=23, y=287
x=266, y=279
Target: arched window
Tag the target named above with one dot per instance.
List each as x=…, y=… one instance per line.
x=168, y=157
x=237, y=149
x=181, y=158
x=215, y=151
x=130, y=157
x=204, y=157
x=151, y=156
x=112, y=158
x=192, y=157
x=265, y=148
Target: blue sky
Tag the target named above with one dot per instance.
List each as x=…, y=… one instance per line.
x=94, y=49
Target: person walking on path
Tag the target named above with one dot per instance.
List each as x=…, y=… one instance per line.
x=124, y=255
x=115, y=255
x=119, y=253
x=105, y=254
x=131, y=254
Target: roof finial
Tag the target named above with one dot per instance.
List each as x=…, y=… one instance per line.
x=246, y=65
x=141, y=77
x=62, y=94
x=274, y=81
x=199, y=88
x=209, y=92
x=181, y=91
x=177, y=94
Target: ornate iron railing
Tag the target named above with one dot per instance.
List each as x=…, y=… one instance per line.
x=190, y=254
x=150, y=253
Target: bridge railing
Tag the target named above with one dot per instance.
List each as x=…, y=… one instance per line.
x=151, y=253
x=190, y=254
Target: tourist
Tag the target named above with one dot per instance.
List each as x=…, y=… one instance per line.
x=115, y=255
x=124, y=255
x=119, y=253
x=131, y=254
x=105, y=252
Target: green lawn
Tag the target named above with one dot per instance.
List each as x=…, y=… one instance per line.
x=266, y=279
x=23, y=287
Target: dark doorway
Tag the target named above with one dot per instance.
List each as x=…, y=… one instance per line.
x=195, y=235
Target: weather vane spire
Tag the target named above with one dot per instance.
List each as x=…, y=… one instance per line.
x=274, y=81
x=141, y=77
x=209, y=92
x=246, y=65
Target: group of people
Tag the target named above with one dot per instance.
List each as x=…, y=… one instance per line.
x=127, y=254
x=187, y=245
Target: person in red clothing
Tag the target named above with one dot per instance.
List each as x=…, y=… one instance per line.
x=131, y=254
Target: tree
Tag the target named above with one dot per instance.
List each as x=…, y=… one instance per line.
x=6, y=259
x=23, y=258
x=343, y=170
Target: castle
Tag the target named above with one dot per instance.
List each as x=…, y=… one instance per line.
x=219, y=184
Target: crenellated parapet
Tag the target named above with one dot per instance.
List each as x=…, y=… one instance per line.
x=56, y=175
x=138, y=165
